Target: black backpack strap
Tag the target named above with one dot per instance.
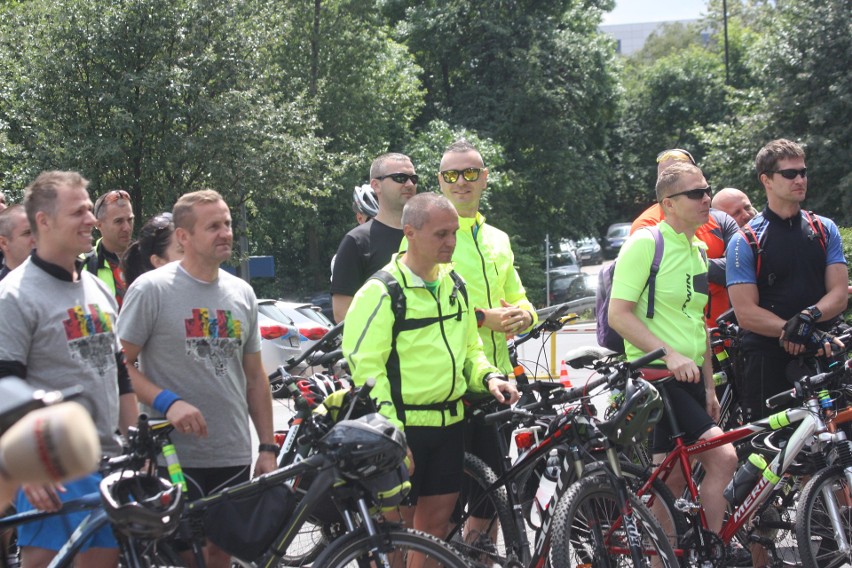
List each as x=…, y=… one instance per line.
x=655, y=268
x=398, y=305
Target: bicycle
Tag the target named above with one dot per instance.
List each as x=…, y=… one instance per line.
x=564, y=430
x=771, y=490
x=355, y=461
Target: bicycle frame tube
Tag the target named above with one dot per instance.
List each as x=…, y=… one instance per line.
x=96, y=520
x=83, y=503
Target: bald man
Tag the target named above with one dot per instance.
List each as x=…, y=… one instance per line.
x=735, y=203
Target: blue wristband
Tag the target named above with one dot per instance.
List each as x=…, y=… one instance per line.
x=164, y=401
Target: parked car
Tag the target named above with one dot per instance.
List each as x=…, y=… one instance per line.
x=588, y=251
x=564, y=262
x=570, y=287
x=279, y=340
x=322, y=300
x=310, y=322
x=615, y=237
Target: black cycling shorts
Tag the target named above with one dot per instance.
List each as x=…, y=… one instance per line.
x=438, y=460
x=688, y=401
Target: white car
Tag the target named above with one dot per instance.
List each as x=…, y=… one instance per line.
x=312, y=325
x=279, y=341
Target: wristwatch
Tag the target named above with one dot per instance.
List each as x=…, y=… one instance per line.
x=814, y=311
x=274, y=448
x=480, y=317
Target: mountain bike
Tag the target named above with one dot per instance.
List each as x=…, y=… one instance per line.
x=504, y=540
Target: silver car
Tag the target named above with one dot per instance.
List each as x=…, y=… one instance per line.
x=279, y=341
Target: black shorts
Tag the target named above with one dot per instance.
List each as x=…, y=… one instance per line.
x=689, y=403
x=438, y=460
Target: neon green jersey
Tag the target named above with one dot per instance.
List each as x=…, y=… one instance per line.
x=680, y=295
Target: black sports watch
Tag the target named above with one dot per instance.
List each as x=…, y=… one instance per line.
x=274, y=448
x=480, y=317
x=814, y=311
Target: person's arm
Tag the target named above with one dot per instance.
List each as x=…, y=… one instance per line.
x=259, y=398
x=480, y=374
x=714, y=409
x=717, y=267
x=185, y=417
x=128, y=405
x=340, y=304
x=346, y=277
x=367, y=339
x=632, y=329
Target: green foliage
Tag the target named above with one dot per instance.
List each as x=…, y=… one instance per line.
x=846, y=237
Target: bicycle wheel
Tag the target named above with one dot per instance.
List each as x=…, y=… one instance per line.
x=492, y=533
x=659, y=501
x=825, y=491
x=585, y=531
x=396, y=547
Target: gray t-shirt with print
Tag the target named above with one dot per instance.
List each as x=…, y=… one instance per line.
x=64, y=333
x=193, y=335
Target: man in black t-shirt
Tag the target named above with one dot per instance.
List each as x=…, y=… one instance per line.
x=367, y=248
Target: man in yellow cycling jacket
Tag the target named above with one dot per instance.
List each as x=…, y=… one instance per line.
x=424, y=362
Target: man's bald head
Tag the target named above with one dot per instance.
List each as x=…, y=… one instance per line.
x=735, y=203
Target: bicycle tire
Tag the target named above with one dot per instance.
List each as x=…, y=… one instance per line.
x=582, y=523
x=497, y=511
x=814, y=533
x=636, y=477
x=355, y=549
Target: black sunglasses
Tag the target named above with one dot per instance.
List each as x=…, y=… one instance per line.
x=156, y=224
x=696, y=194
x=401, y=178
x=469, y=174
x=791, y=173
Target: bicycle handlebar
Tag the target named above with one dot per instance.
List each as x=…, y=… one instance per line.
x=621, y=370
x=322, y=343
x=805, y=386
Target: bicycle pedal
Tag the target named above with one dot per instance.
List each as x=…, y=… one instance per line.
x=686, y=506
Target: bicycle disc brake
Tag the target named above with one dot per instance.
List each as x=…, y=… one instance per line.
x=712, y=554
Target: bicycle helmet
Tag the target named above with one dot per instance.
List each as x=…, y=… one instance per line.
x=364, y=200
x=366, y=446
x=318, y=387
x=639, y=409
x=141, y=505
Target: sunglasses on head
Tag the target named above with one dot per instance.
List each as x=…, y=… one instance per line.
x=697, y=193
x=401, y=178
x=469, y=174
x=675, y=154
x=158, y=223
x=791, y=173
x=110, y=197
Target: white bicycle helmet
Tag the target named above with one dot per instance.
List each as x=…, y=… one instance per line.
x=364, y=200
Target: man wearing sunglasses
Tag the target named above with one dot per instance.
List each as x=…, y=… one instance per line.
x=717, y=232
x=115, y=223
x=681, y=292
x=368, y=247
x=794, y=288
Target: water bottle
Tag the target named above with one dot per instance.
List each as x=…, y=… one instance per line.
x=546, y=485
x=744, y=479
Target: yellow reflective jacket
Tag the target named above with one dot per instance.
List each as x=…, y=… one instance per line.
x=423, y=371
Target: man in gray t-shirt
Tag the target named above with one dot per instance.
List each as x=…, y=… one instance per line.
x=193, y=329
x=58, y=331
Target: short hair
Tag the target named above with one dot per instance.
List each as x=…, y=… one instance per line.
x=670, y=177
x=9, y=218
x=183, y=214
x=418, y=209
x=378, y=166
x=781, y=149
x=41, y=194
x=102, y=203
x=462, y=146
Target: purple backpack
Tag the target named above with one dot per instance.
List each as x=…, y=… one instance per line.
x=608, y=337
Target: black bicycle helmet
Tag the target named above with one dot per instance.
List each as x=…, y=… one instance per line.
x=639, y=409
x=366, y=446
x=364, y=200
x=141, y=505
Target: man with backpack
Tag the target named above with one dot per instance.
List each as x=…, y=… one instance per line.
x=679, y=292
x=787, y=279
x=412, y=328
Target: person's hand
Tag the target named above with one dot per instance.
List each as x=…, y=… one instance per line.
x=714, y=409
x=410, y=457
x=797, y=332
x=187, y=419
x=513, y=319
x=501, y=389
x=44, y=497
x=266, y=462
x=824, y=341
x=683, y=368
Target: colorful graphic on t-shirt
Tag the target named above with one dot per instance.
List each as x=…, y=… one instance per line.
x=90, y=337
x=213, y=340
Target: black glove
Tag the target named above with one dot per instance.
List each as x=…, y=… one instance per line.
x=799, y=328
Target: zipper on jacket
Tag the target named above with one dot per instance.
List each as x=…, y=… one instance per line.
x=487, y=290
